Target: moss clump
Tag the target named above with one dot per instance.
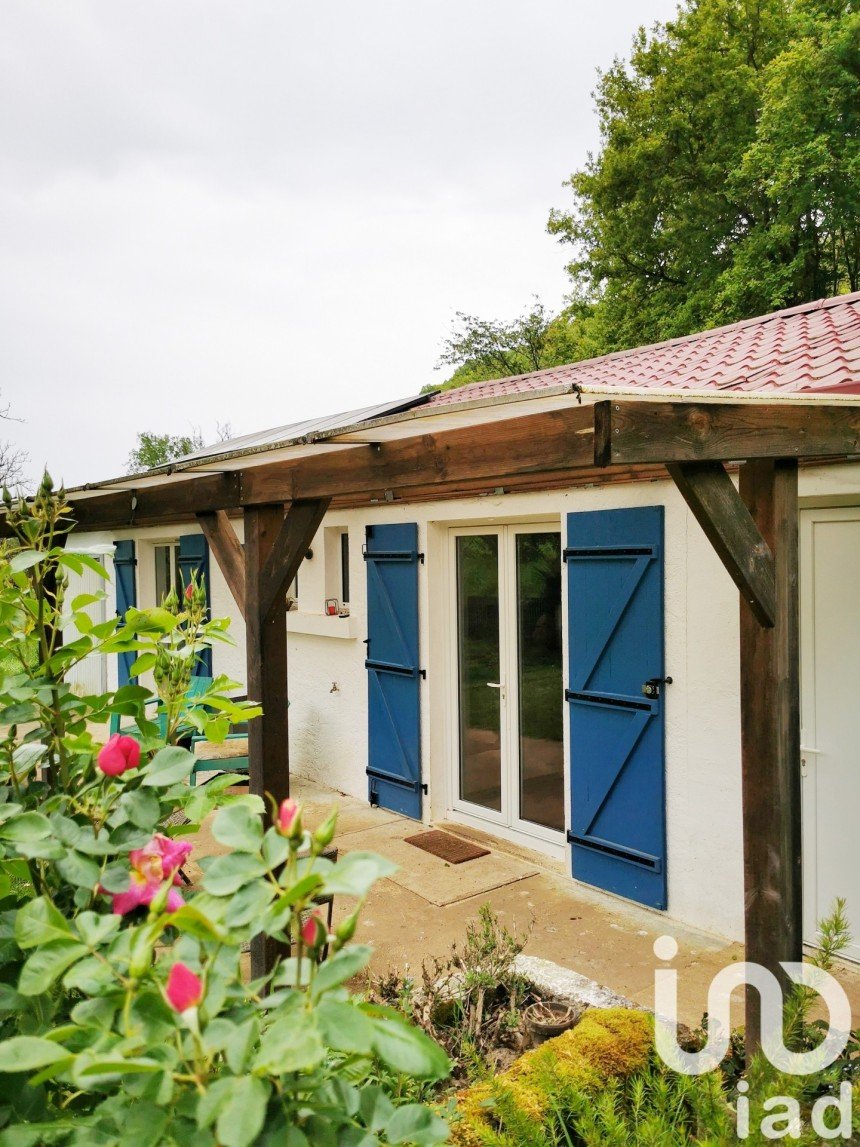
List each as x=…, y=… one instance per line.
x=606, y=1044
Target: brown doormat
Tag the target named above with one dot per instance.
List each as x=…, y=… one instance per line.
x=450, y=848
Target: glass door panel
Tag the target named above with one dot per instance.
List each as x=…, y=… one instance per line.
x=540, y=686
x=479, y=663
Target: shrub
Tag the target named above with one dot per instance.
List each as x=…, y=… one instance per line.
x=124, y=1015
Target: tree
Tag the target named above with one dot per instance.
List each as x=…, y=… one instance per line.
x=12, y=459
x=159, y=449
x=727, y=183
x=481, y=349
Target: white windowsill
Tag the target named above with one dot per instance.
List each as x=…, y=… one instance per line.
x=321, y=625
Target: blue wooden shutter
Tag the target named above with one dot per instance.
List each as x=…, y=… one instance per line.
x=615, y=616
x=194, y=559
x=124, y=566
x=393, y=669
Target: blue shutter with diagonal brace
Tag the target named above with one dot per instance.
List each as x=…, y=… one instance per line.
x=194, y=559
x=124, y=567
x=393, y=668
x=615, y=617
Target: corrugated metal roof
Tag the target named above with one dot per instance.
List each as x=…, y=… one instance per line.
x=295, y=432
x=810, y=349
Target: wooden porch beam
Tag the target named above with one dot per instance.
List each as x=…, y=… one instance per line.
x=770, y=738
x=297, y=531
x=225, y=545
x=720, y=511
x=631, y=432
x=492, y=452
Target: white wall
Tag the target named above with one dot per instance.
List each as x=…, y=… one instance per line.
x=703, y=778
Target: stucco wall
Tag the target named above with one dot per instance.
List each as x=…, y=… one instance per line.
x=327, y=687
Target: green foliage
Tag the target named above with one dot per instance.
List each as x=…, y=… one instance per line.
x=481, y=349
x=158, y=449
x=727, y=183
x=124, y=1013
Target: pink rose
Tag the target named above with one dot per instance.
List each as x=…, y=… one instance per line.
x=289, y=819
x=189, y=591
x=119, y=754
x=184, y=988
x=151, y=866
x=314, y=931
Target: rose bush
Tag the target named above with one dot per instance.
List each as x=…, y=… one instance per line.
x=124, y=1013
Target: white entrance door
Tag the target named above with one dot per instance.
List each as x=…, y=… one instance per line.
x=508, y=743
x=830, y=715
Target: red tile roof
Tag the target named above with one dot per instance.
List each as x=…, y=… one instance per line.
x=811, y=348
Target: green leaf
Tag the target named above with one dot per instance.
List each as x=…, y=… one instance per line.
x=225, y=875
x=168, y=766
x=95, y=927
x=241, y=1044
x=276, y=848
x=39, y=922
x=342, y=966
x=141, y=807
x=344, y=1027
x=189, y=919
x=26, y=1053
x=78, y=870
x=47, y=964
x=116, y=877
x=82, y=600
x=142, y=664
x=356, y=874
x=118, y=1065
x=375, y=1108
x=90, y=976
x=239, y=826
x=28, y=826
x=26, y=559
x=416, y=1124
x=292, y=1043
x=243, y=1114
x=406, y=1049
x=249, y=904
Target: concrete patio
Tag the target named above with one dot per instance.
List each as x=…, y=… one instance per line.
x=424, y=908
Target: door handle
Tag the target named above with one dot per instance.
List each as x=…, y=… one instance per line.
x=652, y=686
x=495, y=685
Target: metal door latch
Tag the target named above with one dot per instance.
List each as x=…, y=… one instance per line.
x=651, y=688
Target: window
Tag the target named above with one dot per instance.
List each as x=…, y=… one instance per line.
x=344, y=568
x=336, y=542
x=167, y=574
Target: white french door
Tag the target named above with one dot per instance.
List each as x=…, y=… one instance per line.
x=508, y=734
x=830, y=715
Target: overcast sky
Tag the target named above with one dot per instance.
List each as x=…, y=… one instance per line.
x=255, y=212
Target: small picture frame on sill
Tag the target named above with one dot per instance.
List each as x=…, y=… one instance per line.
x=332, y=607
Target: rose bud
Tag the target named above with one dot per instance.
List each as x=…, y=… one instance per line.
x=119, y=754
x=288, y=821
x=189, y=591
x=184, y=989
x=314, y=932
x=324, y=835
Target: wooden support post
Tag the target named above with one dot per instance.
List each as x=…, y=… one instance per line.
x=770, y=733
x=270, y=564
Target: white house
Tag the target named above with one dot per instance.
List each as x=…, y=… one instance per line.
x=488, y=610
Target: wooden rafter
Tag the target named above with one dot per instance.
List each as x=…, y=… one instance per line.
x=720, y=511
x=225, y=545
x=289, y=547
